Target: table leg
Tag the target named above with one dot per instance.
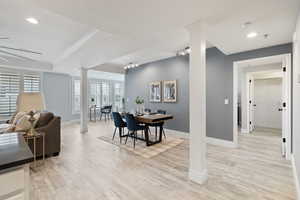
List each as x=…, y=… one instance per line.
x=44, y=148
x=34, y=151
x=160, y=133
x=120, y=134
x=147, y=136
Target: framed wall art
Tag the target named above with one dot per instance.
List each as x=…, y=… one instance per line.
x=170, y=91
x=155, y=91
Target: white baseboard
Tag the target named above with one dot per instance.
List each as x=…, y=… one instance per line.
x=220, y=142
x=179, y=133
x=297, y=184
x=244, y=130
x=209, y=140
x=198, y=177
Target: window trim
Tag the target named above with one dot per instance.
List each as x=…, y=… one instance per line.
x=74, y=112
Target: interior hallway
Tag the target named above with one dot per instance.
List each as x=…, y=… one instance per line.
x=89, y=168
x=271, y=132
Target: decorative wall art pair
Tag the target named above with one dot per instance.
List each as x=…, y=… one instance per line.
x=169, y=91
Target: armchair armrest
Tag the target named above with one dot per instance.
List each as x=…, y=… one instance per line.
x=53, y=124
x=52, y=133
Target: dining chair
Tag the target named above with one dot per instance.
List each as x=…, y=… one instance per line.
x=147, y=110
x=133, y=127
x=119, y=124
x=164, y=112
x=106, y=111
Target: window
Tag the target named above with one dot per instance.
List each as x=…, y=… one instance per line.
x=118, y=96
x=9, y=90
x=101, y=93
x=95, y=93
x=76, y=96
x=31, y=83
x=105, y=93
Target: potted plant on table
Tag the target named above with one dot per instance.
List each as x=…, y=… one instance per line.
x=139, y=102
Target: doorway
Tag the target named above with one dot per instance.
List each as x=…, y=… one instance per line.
x=262, y=90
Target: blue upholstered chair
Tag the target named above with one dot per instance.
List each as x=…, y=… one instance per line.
x=133, y=127
x=147, y=110
x=161, y=112
x=106, y=111
x=119, y=124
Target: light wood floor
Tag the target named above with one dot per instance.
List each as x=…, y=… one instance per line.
x=91, y=169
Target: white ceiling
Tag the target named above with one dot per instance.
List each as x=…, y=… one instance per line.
x=110, y=34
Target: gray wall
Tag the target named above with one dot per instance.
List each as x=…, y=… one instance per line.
x=219, y=87
x=136, y=84
x=57, y=90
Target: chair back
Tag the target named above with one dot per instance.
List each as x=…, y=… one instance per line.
x=118, y=121
x=161, y=112
x=147, y=110
x=132, y=124
x=30, y=101
x=106, y=109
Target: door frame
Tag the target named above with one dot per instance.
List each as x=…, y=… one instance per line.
x=249, y=97
x=284, y=58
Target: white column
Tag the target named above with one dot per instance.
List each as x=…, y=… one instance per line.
x=197, y=76
x=83, y=101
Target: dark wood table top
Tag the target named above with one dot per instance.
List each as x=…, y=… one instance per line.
x=14, y=151
x=153, y=118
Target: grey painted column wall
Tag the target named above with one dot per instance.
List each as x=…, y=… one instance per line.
x=57, y=90
x=219, y=86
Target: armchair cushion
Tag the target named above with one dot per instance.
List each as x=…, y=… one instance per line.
x=17, y=117
x=23, y=124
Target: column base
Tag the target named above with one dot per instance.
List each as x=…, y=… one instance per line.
x=198, y=177
x=83, y=129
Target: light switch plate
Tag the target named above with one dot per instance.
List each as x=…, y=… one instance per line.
x=226, y=101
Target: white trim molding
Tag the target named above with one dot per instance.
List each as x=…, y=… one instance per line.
x=183, y=134
x=220, y=142
x=198, y=177
x=285, y=59
x=244, y=130
x=297, y=185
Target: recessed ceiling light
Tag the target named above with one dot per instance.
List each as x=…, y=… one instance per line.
x=252, y=35
x=32, y=20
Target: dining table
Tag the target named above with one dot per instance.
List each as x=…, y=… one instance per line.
x=149, y=119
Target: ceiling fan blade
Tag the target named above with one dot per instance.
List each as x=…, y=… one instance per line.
x=3, y=59
x=23, y=50
x=4, y=38
x=16, y=55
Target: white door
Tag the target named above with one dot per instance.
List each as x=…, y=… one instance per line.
x=267, y=101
